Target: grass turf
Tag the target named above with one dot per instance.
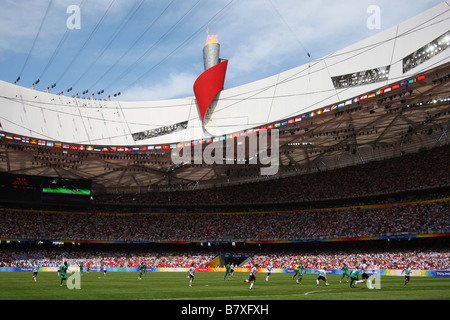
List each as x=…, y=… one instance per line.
x=212, y=286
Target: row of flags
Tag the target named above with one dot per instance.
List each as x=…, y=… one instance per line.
x=61, y=145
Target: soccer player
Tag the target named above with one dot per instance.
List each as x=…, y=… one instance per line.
x=104, y=269
x=227, y=272
x=142, y=270
x=407, y=271
x=63, y=270
x=322, y=275
x=345, y=273
x=364, y=274
x=81, y=267
x=35, y=271
x=301, y=271
x=232, y=269
x=251, y=279
x=296, y=271
x=354, y=276
x=191, y=274
x=269, y=271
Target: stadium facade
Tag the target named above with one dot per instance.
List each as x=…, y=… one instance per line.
x=390, y=64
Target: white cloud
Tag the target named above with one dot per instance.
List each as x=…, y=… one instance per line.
x=174, y=86
x=254, y=38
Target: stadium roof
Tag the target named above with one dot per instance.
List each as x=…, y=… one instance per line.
x=380, y=98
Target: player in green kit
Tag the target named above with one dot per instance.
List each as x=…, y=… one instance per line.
x=227, y=272
x=354, y=276
x=81, y=268
x=345, y=273
x=300, y=270
x=63, y=270
x=142, y=270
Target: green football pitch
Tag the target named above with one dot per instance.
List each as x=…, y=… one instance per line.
x=212, y=286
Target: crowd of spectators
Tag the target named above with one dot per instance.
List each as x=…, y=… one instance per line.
x=103, y=258
x=426, y=170
x=351, y=222
x=418, y=260
x=419, y=171
x=433, y=259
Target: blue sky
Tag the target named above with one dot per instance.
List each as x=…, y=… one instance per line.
x=152, y=49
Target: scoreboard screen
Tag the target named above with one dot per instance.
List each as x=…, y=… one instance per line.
x=14, y=188
x=66, y=190
x=45, y=190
